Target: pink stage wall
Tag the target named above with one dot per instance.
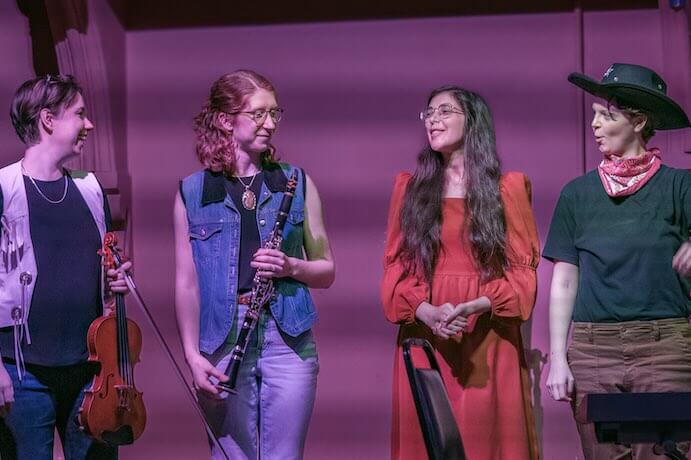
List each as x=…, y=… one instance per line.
x=15, y=67
x=351, y=93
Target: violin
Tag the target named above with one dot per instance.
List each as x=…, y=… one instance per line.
x=113, y=411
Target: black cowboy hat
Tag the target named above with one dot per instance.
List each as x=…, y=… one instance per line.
x=637, y=87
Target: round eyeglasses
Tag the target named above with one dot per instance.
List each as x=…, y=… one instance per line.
x=444, y=111
x=259, y=116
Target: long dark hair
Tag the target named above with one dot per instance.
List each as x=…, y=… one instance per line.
x=421, y=215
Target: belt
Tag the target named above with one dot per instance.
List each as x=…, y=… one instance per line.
x=245, y=299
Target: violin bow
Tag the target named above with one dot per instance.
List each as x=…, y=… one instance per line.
x=157, y=332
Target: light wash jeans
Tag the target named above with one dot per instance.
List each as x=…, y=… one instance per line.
x=268, y=417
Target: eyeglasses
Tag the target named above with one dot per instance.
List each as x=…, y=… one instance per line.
x=444, y=111
x=259, y=116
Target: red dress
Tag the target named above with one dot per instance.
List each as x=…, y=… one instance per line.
x=484, y=369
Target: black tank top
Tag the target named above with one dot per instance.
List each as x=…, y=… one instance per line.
x=250, y=241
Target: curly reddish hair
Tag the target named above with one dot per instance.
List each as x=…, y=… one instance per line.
x=215, y=147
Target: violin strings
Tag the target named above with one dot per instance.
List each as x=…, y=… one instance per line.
x=123, y=339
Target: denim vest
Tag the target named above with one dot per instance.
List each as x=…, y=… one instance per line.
x=214, y=232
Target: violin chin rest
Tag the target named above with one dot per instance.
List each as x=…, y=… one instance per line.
x=122, y=436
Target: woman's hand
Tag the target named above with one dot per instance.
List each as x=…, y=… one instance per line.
x=115, y=279
x=434, y=317
x=6, y=391
x=202, y=370
x=452, y=326
x=560, y=379
x=457, y=320
x=272, y=263
x=463, y=310
x=682, y=260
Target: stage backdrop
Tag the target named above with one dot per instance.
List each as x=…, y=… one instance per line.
x=351, y=92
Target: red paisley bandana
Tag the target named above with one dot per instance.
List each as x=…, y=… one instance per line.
x=626, y=177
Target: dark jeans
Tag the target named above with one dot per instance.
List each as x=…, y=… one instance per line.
x=49, y=398
x=629, y=357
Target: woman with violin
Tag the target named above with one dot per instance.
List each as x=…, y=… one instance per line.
x=53, y=222
x=224, y=216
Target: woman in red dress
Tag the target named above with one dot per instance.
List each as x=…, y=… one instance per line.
x=460, y=260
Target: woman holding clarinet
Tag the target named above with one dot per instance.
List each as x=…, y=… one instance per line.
x=226, y=253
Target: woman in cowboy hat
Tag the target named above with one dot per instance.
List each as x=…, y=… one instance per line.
x=619, y=240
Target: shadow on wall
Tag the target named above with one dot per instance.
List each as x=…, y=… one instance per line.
x=536, y=361
x=45, y=60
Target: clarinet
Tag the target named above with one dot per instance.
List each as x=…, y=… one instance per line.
x=262, y=291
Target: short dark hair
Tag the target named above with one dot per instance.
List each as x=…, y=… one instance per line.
x=648, y=130
x=631, y=112
x=52, y=92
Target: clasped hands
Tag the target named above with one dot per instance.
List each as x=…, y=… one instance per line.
x=446, y=320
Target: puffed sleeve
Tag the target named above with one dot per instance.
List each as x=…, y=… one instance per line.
x=513, y=295
x=400, y=295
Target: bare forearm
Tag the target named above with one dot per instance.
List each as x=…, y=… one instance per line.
x=560, y=311
x=562, y=299
x=480, y=305
x=187, y=315
x=318, y=273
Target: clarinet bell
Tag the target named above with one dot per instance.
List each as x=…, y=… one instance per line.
x=224, y=386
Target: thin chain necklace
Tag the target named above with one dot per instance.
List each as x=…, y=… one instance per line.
x=249, y=199
x=64, y=193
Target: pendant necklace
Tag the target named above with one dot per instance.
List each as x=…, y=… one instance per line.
x=249, y=199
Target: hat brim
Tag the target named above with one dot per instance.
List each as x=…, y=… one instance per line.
x=667, y=114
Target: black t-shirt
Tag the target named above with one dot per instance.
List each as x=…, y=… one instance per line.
x=624, y=247
x=67, y=291
x=250, y=240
